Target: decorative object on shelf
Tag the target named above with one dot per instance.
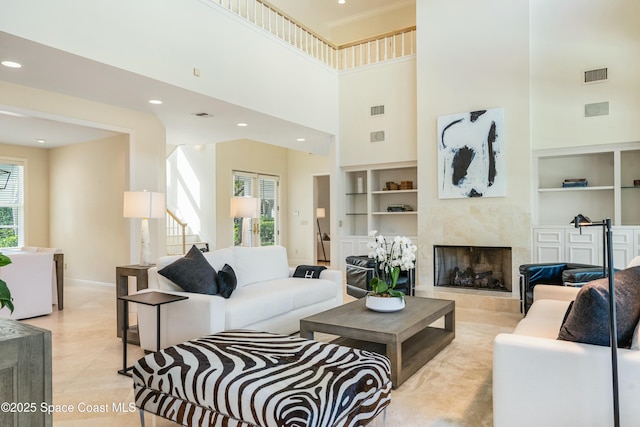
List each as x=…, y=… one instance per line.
x=245, y=208
x=5, y=293
x=575, y=182
x=320, y=213
x=360, y=185
x=406, y=185
x=144, y=205
x=607, y=267
x=636, y=182
x=471, y=154
x=399, y=208
x=390, y=257
x=390, y=186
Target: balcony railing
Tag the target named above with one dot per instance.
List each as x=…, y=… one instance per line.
x=373, y=50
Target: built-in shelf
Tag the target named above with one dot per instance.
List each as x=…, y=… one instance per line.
x=395, y=213
x=368, y=195
x=567, y=189
x=608, y=169
x=415, y=190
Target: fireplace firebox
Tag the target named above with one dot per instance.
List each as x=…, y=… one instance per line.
x=472, y=267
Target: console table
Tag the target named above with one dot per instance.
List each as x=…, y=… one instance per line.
x=123, y=273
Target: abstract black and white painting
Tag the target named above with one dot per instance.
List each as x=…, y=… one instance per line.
x=471, y=154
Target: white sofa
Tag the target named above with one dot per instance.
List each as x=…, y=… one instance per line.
x=267, y=298
x=541, y=381
x=30, y=279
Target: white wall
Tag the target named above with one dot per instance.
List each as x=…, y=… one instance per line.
x=87, y=182
x=472, y=56
x=572, y=36
x=165, y=40
x=144, y=170
x=302, y=228
x=191, y=189
x=392, y=84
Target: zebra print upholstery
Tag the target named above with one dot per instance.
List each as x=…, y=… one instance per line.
x=246, y=378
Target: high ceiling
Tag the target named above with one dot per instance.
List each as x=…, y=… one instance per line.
x=57, y=71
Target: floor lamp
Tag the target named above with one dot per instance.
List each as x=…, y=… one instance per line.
x=607, y=259
x=144, y=205
x=245, y=208
x=320, y=213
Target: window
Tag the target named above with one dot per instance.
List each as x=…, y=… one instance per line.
x=11, y=205
x=265, y=187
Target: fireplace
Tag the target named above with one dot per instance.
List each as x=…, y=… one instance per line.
x=472, y=267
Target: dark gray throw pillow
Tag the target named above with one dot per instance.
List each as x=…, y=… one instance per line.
x=309, y=271
x=227, y=281
x=193, y=273
x=588, y=319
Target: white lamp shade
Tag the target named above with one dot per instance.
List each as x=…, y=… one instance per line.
x=245, y=207
x=143, y=204
x=320, y=213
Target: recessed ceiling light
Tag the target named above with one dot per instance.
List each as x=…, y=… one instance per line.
x=41, y=141
x=341, y=1
x=301, y=140
x=242, y=125
x=155, y=101
x=11, y=64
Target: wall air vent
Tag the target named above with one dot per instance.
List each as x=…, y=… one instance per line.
x=377, y=136
x=377, y=110
x=596, y=109
x=202, y=115
x=595, y=76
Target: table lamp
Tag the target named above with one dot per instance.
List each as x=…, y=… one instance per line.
x=245, y=208
x=144, y=205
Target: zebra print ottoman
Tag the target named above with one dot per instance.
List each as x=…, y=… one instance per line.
x=248, y=378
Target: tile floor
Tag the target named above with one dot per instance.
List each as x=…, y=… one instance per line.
x=87, y=355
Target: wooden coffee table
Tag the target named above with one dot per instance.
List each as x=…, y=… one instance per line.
x=405, y=337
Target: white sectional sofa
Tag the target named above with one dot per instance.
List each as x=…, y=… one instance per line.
x=267, y=298
x=539, y=380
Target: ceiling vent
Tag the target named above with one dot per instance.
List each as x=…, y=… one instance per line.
x=595, y=76
x=377, y=136
x=377, y=110
x=203, y=115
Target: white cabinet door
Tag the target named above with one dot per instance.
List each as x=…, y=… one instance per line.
x=352, y=246
x=584, y=245
x=548, y=245
x=623, y=246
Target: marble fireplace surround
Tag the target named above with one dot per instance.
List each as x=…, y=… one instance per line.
x=484, y=223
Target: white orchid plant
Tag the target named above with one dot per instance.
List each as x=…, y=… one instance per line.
x=391, y=258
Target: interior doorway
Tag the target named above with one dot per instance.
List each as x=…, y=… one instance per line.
x=322, y=213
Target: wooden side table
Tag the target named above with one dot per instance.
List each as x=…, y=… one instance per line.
x=58, y=260
x=123, y=273
x=154, y=299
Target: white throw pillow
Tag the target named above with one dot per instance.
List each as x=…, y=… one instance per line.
x=260, y=264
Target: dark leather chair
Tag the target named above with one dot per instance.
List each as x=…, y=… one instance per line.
x=360, y=270
x=554, y=273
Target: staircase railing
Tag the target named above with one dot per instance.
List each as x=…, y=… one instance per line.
x=393, y=45
x=176, y=229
